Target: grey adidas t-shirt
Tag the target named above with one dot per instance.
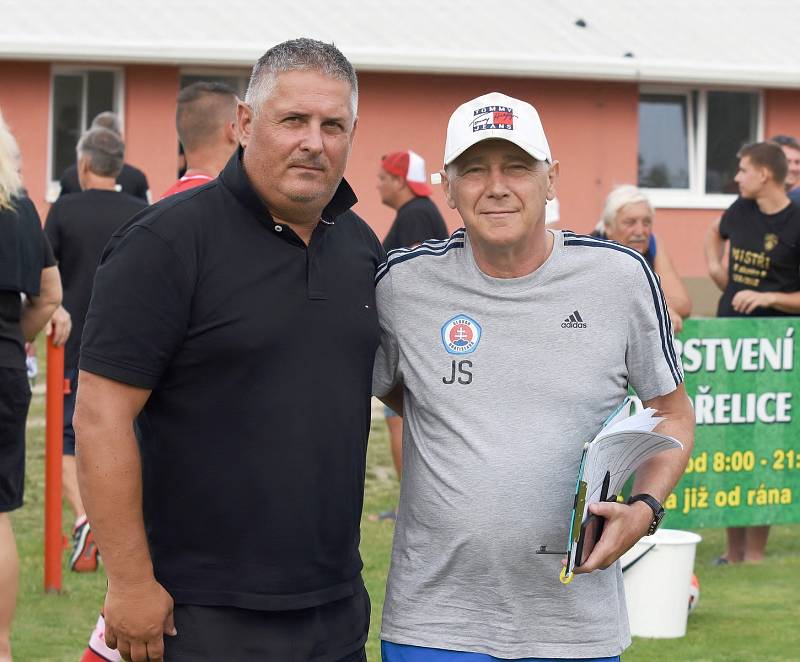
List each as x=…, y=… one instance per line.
x=504, y=381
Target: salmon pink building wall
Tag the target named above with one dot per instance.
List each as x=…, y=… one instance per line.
x=25, y=103
x=151, y=141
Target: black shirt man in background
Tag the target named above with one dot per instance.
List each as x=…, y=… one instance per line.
x=130, y=179
x=79, y=226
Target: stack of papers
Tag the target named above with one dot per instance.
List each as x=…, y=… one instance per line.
x=624, y=443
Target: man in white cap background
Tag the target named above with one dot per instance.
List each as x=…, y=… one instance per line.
x=403, y=186
x=500, y=395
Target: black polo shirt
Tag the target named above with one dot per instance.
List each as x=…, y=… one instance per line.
x=78, y=227
x=258, y=350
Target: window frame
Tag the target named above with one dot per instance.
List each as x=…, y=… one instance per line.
x=695, y=197
x=52, y=187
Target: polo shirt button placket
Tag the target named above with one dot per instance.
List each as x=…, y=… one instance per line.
x=278, y=228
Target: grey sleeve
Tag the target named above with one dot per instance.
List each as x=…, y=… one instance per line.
x=653, y=365
x=385, y=374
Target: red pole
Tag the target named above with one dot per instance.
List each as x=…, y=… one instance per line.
x=54, y=448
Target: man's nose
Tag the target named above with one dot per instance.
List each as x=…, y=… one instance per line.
x=312, y=138
x=496, y=185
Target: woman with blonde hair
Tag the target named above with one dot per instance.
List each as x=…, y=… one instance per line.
x=27, y=267
x=628, y=220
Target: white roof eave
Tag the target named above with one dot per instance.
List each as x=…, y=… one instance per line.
x=476, y=64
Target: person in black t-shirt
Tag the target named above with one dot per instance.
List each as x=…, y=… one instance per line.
x=225, y=386
x=130, y=180
x=403, y=186
x=762, y=229
x=79, y=226
x=27, y=267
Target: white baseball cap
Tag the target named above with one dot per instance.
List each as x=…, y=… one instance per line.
x=496, y=115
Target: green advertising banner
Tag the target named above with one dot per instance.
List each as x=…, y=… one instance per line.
x=745, y=468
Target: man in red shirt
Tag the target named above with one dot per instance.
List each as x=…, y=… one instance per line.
x=205, y=120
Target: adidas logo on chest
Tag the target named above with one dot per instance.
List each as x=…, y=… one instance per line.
x=574, y=321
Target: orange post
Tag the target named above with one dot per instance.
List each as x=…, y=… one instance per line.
x=54, y=448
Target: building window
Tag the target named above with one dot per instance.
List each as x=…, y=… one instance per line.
x=78, y=96
x=688, y=140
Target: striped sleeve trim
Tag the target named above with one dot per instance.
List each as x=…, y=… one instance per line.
x=659, y=303
x=432, y=247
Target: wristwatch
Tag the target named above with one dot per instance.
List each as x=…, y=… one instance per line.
x=656, y=507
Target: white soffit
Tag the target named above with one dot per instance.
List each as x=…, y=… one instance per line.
x=728, y=42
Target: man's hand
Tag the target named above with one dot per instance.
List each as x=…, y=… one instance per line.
x=746, y=301
x=59, y=326
x=623, y=527
x=137, y=617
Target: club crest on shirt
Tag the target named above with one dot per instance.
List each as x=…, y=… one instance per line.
x=770, y=241
x=461, y=335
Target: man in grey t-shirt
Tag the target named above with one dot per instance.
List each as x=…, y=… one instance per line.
x=507, y=346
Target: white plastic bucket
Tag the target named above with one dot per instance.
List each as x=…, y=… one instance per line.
x=657, y=571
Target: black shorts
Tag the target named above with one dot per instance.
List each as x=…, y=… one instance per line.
x=15, y=397
x=333, y=632
x=69, y=411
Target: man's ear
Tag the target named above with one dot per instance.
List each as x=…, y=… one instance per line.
x=83, y=170
x=244, y=122
x=447, y=189
x=552, y=179
x=231, y=134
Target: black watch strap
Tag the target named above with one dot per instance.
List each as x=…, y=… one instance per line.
x=655, y=506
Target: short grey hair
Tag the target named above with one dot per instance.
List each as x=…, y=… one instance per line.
x=104, y=150
x=299, y=55
x=620, y=197
x=107, y=120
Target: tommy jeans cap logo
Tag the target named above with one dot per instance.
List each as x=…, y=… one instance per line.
x=493, y=117
x=574, y=321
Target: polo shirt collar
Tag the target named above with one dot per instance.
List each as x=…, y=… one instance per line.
x=236, y=180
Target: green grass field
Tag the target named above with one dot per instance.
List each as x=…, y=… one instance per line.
x=745, y=613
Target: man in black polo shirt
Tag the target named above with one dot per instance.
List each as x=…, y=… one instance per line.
x=130, y=179
x=234, y=328
x=79, y=226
